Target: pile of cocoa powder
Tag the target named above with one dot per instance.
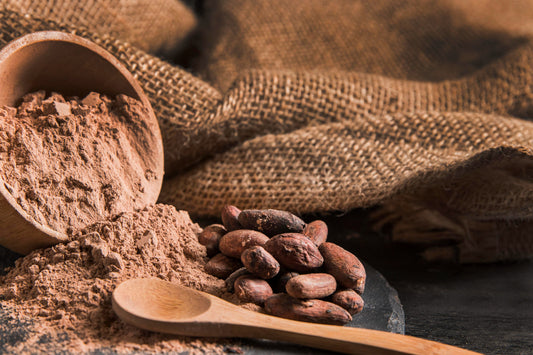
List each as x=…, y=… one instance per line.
x=62, y=294
x=71, y=162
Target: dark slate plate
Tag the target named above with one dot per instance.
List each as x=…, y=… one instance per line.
x=382, y=311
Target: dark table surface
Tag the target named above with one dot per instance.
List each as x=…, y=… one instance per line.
x=485, y=307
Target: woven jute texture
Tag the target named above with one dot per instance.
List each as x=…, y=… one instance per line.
x=421, y=107
x=409, y=39
x=152, y=25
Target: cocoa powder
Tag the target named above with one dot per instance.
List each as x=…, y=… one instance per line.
x=69, y=163
x=63, y=293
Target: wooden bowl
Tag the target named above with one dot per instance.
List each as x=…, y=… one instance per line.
x=72, y=66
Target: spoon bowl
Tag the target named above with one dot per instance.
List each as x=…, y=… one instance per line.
x=161, y=300
x=161, y=306
x=72, y=66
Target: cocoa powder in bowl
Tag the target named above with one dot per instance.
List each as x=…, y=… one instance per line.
x=70, y=162
x=82, y=167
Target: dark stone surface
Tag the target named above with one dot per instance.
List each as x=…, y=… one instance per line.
x=486, y=307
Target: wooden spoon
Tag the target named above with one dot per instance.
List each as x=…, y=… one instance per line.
x=161, y=306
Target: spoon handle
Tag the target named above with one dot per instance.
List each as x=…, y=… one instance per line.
x=342, y=339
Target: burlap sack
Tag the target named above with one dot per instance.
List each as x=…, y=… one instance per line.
x=318, y=110
x=410, y=39
x=150, y=25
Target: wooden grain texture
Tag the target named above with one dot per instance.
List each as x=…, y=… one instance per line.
x=161, y=306
x=383, y=311
x=72, y=66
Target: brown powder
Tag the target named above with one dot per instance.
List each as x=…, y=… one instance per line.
x=63, y=293
x=69, y=163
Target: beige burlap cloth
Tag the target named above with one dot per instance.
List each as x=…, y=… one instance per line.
x=421, y=107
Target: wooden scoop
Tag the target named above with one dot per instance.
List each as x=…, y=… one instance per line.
x=161, y=306
x=71, y=66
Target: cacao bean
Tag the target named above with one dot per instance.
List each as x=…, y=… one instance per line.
x=317, y=311
x=271, y=222
x=311, y=286
x=344, y=266
x=252, y=289
x=260, y=262
x=210, y=237
x=230, y=281
x=230, y=219
x=349, y=300
x=222, y=266
x=282, y=279
x=235, y=242
x=295, y=251
x=317, y=231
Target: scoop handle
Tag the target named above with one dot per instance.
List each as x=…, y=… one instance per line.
x=340, y=339
x=174, y=313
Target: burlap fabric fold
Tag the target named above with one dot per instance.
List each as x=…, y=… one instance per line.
x=151, y=25
x=421, y=107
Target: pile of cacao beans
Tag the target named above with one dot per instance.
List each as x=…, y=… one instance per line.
x=274, y=259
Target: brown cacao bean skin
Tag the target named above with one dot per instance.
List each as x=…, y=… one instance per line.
x=295, y=251
x=271, y=222
x=317, y=285
x=210, y=237
x=344, y=266
x=222, y=266
x=282, y=279
x=260, y=262
x=317, y=231
x=349, y=300
x=230, y=281
x=316, y=311
x=235, y=242
x=249, y=288
x=230, y=218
